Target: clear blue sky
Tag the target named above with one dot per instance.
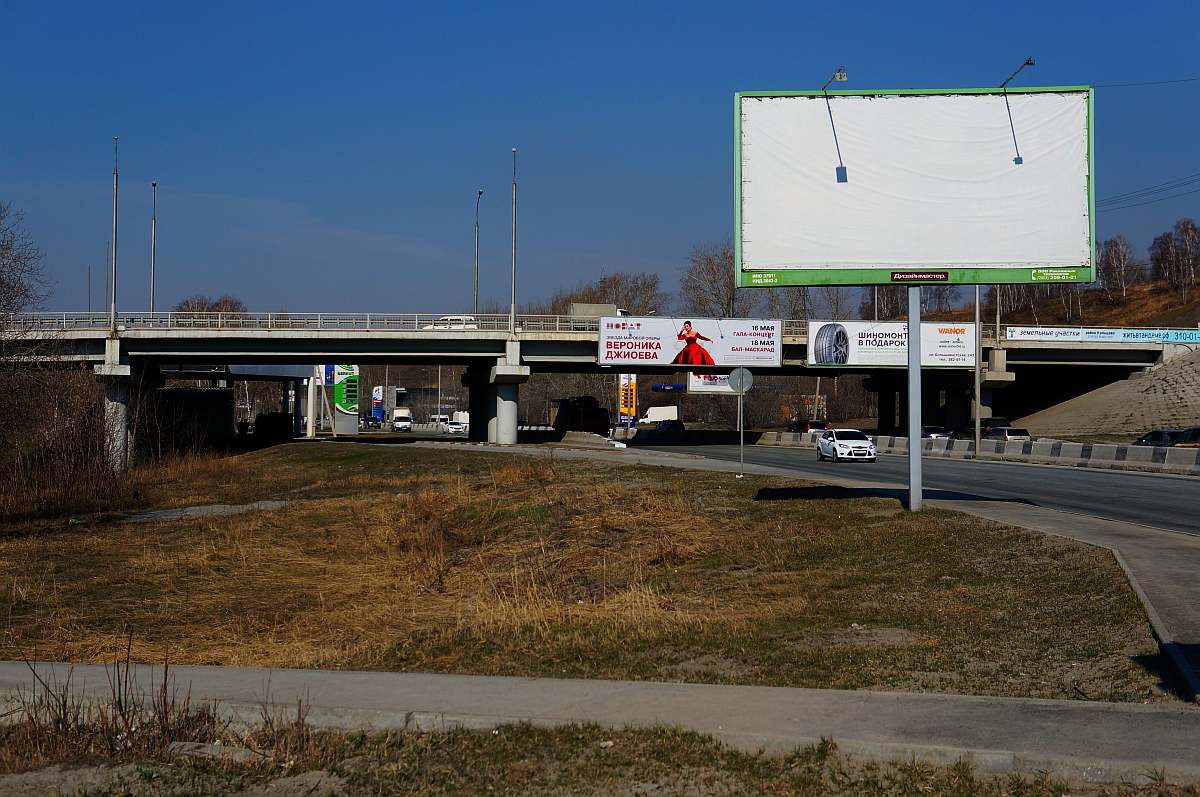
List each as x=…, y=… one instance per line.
x=303, y=144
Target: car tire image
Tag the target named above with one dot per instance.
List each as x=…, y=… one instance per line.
x=831, y=346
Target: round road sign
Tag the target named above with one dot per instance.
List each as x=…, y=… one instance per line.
x=741, y=380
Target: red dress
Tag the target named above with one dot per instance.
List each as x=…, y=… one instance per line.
x=693, y=353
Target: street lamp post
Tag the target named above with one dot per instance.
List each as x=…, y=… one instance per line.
x=512, y=306
x=475, y=281
x=153, y=236
x=112, y=297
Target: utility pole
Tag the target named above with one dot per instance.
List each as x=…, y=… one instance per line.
x=475, y=281
x=153, y=236
x=112, y=306
x=107, y=247
x=89, y=288
x=512, y=306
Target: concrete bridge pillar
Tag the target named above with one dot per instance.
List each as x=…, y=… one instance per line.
x=116, y=422
x=506, y=377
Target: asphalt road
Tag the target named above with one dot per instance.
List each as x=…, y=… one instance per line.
x=1152, y=499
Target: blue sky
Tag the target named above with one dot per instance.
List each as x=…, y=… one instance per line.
x=326, y=157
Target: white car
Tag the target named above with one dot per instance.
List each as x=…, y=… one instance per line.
x=402, y=424
x=455, y=427
x=454, y=322
x=845, y=444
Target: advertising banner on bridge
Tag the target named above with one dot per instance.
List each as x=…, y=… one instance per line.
x=691, y=341
x=884, y=344
x=709, y=383
x=1103, y=335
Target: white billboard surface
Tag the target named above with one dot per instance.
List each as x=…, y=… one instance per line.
x=654, y=340
x=873, y=344
x=865, y=188
x=709, y=383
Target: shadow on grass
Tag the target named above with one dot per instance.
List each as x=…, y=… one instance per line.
x=1170, y=679
x=828, y=492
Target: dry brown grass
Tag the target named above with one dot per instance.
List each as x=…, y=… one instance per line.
x=400, y=558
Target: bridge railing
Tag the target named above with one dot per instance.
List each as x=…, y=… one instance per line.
x=403, y=322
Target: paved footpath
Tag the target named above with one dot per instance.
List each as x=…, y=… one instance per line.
x=1079, y=740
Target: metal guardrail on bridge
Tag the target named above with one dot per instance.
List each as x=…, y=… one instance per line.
x=46, y=322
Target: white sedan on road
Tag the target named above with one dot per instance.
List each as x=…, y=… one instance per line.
x=845, y=444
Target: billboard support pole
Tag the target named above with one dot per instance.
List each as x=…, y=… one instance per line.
x=311, y=431
x=741, y=437
x=978, y=356
x=914, y=398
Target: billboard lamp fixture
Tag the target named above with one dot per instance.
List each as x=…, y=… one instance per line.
x=839, y=75
x=1028, y=62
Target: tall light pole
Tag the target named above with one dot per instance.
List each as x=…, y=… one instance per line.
x=112, y=306
x=512, y=306
x=475, y=290
x=153, y=236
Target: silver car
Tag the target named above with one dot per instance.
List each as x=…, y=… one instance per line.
x=845, y=444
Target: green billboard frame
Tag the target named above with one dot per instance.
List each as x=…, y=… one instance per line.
x=881, y=275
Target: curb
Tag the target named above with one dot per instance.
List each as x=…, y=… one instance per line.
x=244, y=716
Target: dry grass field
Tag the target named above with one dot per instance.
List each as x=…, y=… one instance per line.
x=403, y=558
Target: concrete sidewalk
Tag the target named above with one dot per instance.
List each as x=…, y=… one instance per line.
x=1100, y=742
x=1163, y=566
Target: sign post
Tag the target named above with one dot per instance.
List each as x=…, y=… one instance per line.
x=740, y=379
x=914, y=399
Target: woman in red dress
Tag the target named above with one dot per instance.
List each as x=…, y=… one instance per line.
x=692, y=353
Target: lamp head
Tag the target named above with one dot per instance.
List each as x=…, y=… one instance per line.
x=840, y=75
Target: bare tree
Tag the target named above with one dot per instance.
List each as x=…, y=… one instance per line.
x=640, y=294
x=836, y=301
x=199, y=303
x=708, y=285
x=789, y=303
x=1116, y=270
x=22, y=282
x=1187, y=248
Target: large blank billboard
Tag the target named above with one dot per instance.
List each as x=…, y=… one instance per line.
x=956, y=185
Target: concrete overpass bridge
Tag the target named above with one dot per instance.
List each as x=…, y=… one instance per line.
x=1019, y=376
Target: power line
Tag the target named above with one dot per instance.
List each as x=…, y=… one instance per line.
x=1148, y=201
x=1142, y=193
x=1145, y=83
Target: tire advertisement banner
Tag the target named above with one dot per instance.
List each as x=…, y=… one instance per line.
x=653, y=340
x=884, y=344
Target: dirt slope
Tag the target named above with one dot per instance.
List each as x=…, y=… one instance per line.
x=1166, y=397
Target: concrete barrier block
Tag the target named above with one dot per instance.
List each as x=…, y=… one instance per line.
x=938, y=447
x=900, y=444
x=990, y=448
x=1070, y=452
x=1182, y=458
x=1141, y=455
x=1103, y=452
x=1043, y=450
x=960, y=448
x=1014, y=450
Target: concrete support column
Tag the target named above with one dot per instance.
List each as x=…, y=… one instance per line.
x=481, y=401
x=505, y=377
x=116, y=422
x=507, y=394
x=296, y=414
